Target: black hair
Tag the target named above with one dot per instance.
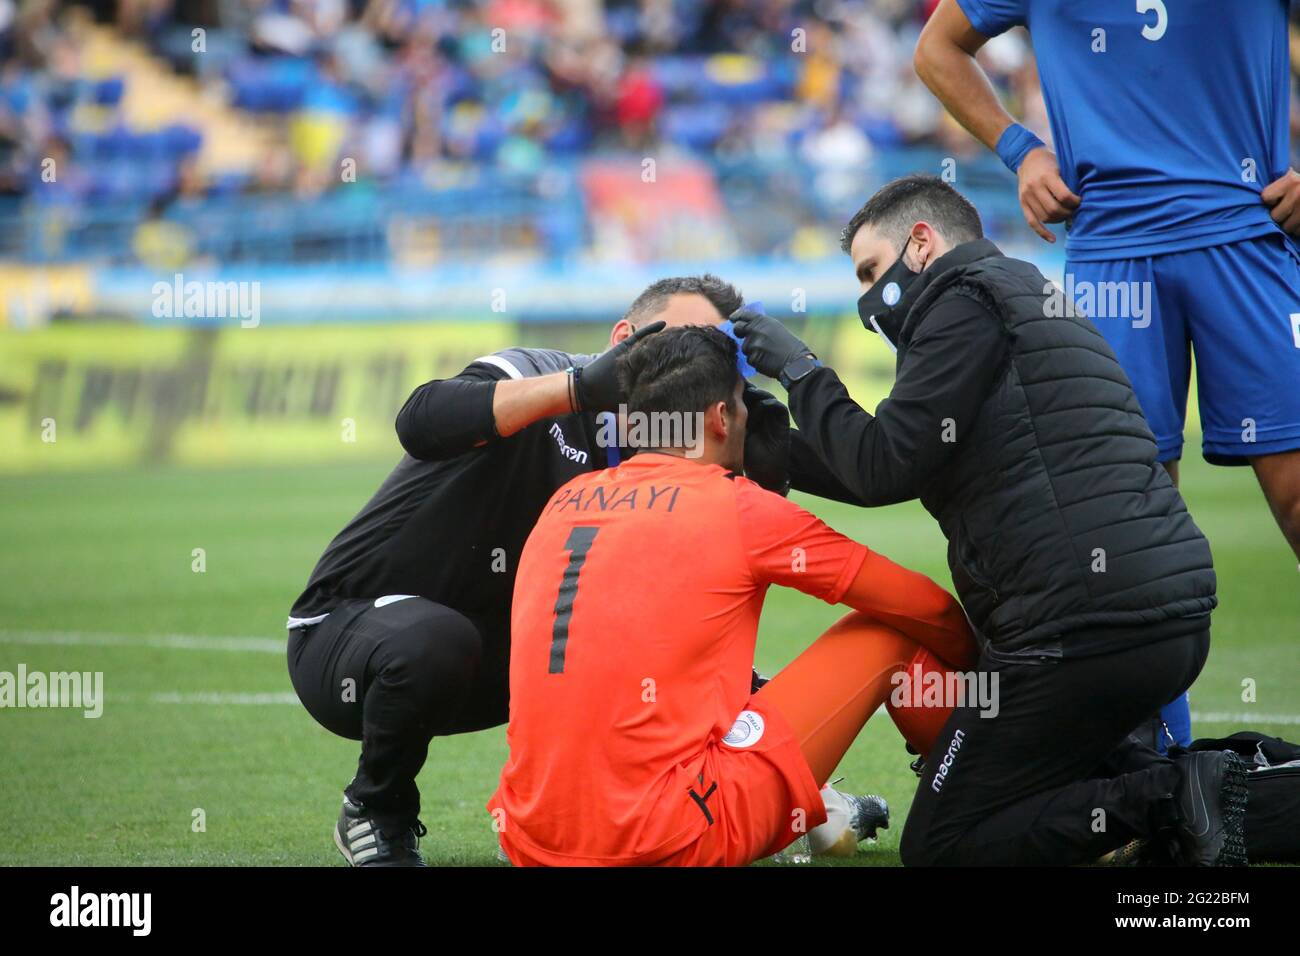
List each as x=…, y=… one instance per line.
x=899, y=205
x=724, y=296
x=684, y=369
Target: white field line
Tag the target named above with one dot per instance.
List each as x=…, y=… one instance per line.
x=182, y=642
x=1245, y=718
x=264, y=645
x=219, y=697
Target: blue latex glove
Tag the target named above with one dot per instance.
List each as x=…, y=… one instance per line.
x=746, y=370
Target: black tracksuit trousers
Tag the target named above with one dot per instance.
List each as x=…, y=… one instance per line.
x=1040, y=782
x=394, y=676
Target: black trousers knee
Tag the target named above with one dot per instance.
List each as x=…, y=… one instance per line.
x=394, y=675
x=1054, y=778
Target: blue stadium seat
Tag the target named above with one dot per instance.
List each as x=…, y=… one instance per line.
x=696, y=125
x=108, y=92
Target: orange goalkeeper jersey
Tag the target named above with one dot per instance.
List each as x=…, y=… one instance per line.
x=635, y=615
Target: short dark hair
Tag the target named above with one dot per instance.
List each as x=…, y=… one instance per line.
x=684, y=369
x=724, y=296
x=899, y=205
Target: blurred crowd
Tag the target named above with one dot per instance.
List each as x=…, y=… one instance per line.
x=414, y=87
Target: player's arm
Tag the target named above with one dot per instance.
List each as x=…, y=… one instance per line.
x=518, y=403
x=953, y=360
x=945, y=62
x=491, y=399
x=448, y=417
x=786, y=545
x=1282, y=197
x=912, y=603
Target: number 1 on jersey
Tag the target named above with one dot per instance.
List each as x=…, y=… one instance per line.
x=578, y=544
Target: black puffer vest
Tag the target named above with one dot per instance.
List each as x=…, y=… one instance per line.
x=1059, y=520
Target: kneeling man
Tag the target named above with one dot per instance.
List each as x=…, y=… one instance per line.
x=634, y=736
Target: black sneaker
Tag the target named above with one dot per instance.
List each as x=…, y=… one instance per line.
x=1134, y=853
x=1212, y=803
x=871, y=813
x=365, y=840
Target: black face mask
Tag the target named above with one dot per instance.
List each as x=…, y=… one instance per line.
x=877, y=307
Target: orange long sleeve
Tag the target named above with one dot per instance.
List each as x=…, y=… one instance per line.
x=916, y=606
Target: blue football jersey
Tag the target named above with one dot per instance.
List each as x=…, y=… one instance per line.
x=1168, y=116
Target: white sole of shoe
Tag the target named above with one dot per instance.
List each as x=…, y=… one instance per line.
x=338, y=842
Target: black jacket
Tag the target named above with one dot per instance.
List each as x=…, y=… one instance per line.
x=450, y=521
x=1013, y=423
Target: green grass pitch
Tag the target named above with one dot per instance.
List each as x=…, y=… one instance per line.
x=95, y=575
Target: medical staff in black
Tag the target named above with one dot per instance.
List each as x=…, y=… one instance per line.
x=402, y=633
x=1087, y=581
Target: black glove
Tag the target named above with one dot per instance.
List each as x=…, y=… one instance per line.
x=595, y=386
x=768, y=345
x=767, y=440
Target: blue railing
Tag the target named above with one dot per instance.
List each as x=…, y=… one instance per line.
x=471, y=212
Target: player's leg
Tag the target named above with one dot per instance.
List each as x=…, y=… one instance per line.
x=1279, y=477
x=850, y=818
x=829, y=691
x=1243, y=306
x=764, y=783
x=393, y=674
x=1138, y=310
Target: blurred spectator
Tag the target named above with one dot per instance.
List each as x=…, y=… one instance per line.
x=840, y=154
x=437, y=92
x=517, y=83
x=160, y=244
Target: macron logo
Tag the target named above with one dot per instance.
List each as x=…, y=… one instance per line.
x=945, y=765
x=103, y=909
x=567, y=450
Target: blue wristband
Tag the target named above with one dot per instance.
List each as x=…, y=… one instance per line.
x=1014, y=145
